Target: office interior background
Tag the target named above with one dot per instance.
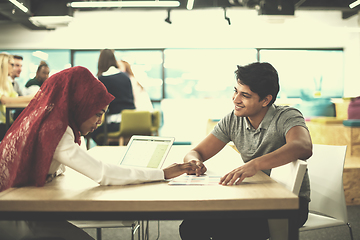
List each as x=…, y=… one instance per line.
x=187, y=67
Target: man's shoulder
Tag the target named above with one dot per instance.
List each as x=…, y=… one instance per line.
x=279, y=109
x=31, y=82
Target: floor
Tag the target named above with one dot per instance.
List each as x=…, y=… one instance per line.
x=168, y=230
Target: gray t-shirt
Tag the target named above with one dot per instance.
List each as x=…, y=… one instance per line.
x=269, y=136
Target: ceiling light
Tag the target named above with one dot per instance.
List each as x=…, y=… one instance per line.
x=100, y=4
x=19, y=5
x=51, y=21
x=190, y=4
x=354, y=4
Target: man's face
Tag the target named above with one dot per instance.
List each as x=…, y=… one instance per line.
x=43, y=74
x=247, y=103
x=17, y=68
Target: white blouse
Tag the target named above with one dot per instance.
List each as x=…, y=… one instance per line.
x=70, y=154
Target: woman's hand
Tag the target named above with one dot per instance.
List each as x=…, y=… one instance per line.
x=191, y=167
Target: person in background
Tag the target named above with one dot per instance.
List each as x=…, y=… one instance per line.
x=354, y=108
x=141, y=98
x=7, y=92
x=119, y=85
x=47, y=137
x=266, y=136
x=18, y=61
x=34, y=84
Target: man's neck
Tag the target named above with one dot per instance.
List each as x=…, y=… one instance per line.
x=256, y=120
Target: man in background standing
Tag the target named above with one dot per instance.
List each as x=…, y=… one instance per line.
x=18, y=61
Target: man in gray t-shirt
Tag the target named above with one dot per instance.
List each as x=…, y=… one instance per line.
x=266, y=136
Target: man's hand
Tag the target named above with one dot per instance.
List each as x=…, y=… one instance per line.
x=237, y=175
x=200, y=167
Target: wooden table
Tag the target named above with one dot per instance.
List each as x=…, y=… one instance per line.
x=13, y=106
x=75, y=197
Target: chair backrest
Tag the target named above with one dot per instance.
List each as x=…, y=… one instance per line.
x=134, y=122
x=326, y=167
x=290, y=175
x=155, y=120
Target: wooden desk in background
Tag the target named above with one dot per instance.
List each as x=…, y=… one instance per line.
x=338, y=134
x=13, y=106
x=76, y=197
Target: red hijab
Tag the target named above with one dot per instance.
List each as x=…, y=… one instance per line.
x=67, y=98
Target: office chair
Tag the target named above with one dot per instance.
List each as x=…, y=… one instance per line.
x=133, y=225
x=155, y=122
x=291, y=176
x=328, y=206
x=133, y=122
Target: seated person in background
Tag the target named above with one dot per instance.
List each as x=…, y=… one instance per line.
x=34, y=84
x=141, y=98
x=354, y=108
x=266, y=135
x=47, y=136
x=7, y=92
x=119, y=85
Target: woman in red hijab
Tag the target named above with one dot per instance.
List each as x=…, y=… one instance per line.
x=46, y=136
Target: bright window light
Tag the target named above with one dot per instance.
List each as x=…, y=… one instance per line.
x=99, y=4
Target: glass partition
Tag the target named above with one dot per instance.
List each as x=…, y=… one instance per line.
x=56, y=59
x=203, y=73
x=145, y=64
x=308, y=73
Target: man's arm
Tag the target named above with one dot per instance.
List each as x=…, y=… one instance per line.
x=207, y=148
x=298, y=146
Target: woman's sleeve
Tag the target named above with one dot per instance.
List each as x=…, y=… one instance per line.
x=72, y=155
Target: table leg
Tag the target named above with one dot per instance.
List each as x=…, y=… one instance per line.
x=293, y=229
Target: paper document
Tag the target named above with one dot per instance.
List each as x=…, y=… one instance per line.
x=194, y=180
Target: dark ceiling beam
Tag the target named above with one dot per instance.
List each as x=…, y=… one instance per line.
x=348, y=14
x=51, y=8
x=16, y=15
x=10, y=13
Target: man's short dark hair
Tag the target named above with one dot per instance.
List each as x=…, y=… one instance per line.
x=18, y=57
x=262, y=78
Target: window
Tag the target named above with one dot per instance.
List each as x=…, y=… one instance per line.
x=203, y=73
x=306, y=73
x=145, y=64
x=56, y=59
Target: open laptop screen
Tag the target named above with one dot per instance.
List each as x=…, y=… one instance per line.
x=147, y=151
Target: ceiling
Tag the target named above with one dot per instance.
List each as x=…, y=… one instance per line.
x=10, y=13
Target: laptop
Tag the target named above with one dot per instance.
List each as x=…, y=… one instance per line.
x=146, y=151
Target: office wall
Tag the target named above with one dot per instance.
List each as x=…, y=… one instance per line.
x=197, y=29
